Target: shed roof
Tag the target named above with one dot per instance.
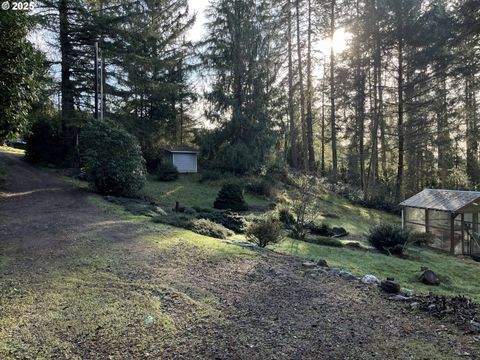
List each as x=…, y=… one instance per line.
x=445, y=200
x=182, y=149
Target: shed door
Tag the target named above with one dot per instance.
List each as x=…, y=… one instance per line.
x=185, y=162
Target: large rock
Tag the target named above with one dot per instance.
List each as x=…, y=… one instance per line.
x=475, y=327
x=309, y=265
x=322, y=263
x=429, y=277
x=390, y=286
x=370, y=279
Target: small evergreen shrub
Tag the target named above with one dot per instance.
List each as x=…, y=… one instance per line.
x=167, y=172
x=264, y=232
x=112, y=158
x=209, y=228
x=387, y=238
x=421, y=238
x=230, y=197
x=44, y=144
x=324, y=241
x=232, y=221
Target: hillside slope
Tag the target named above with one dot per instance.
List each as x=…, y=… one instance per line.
x=81, y=279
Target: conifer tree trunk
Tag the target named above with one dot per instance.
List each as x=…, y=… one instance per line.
x=309, y=119
x=302, y=91
x=332, y=95
x=400, y=49
x=291, y=115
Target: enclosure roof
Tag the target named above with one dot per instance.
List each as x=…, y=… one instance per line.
x=445, y=200
x=182, y=149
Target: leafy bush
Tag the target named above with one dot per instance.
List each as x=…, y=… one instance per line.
x=167, y=172
x=387, y=238
x=230, y=197
x=209, y=228
x=324, y=241
x=260, y=187
x=211, y=175
x=286, y=216
x=113, y=159
x=421, y=238
x=44, y=144
x=264, y=232
x=200, y=226
x=228, y=219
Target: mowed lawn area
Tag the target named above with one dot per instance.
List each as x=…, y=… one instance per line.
x=190, y=192
x=458, y=275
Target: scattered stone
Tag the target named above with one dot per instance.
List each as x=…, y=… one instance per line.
x=309, y=264
x=322, y=263
x=474, y=327
x=407, y=292
x=399, y=297
x=429, y=277
x=149, y=320
x=458, y=309
x=390, y=286
x=414, y=305
x=347, y=275
x=370, y=279
x=334, y=271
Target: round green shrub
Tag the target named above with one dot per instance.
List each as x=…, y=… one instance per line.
x=112, y=158
x=264, y=232
x=167, y=172
x=230, y=197
x=209, y=228
x=388, y=238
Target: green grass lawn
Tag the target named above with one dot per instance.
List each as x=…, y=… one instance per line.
x=189, y=192
x=355, y=219
x=459, y=276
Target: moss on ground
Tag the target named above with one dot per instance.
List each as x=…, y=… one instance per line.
x=458, y=275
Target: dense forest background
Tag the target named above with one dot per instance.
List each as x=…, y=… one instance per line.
x=394, y=111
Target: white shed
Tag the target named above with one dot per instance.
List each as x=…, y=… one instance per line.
x=183, y=158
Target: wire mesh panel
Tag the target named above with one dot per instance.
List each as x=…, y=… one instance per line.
x=414, y=219
x=439, y=226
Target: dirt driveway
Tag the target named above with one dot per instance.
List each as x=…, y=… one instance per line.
x=81, y=282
